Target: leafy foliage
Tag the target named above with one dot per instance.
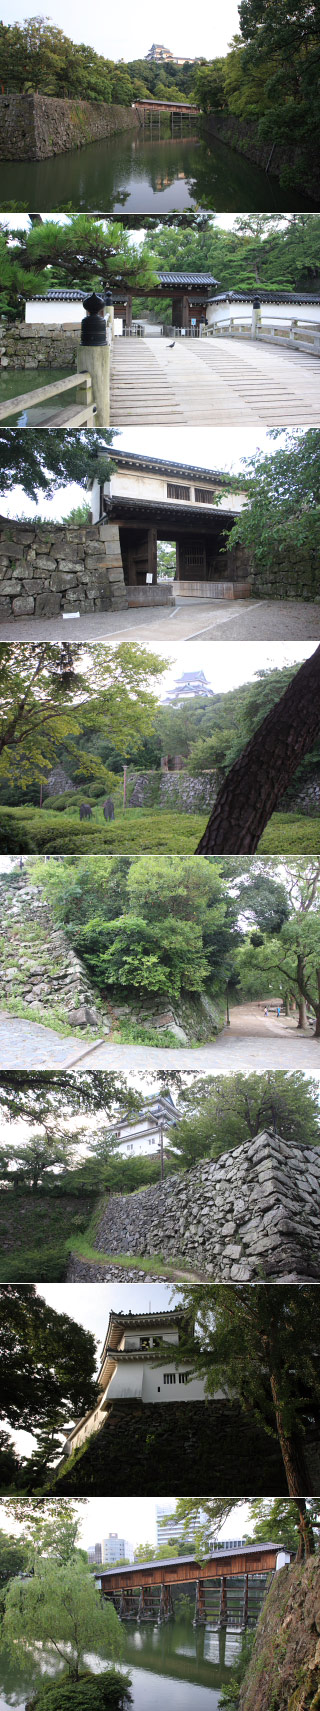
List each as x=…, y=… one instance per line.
x=108, y=1691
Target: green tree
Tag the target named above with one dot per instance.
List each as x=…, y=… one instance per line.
x=80, y=251
x=298, y=1514
x=42, y=462
x=50, y=1526
x=60, y=1606
x=262, y=1346
x=47, y=1362
x=278, y=1519
x=222, y=1112
x=48, y=700
x=282, y=515
x=13, y=1557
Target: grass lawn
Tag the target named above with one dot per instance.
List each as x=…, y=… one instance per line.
x=150, y=831
x=150, y=1263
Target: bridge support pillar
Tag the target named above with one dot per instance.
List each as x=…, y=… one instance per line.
x=223, y=1614
x=166, y=1606
x=200, y=1605
x=245, y=1609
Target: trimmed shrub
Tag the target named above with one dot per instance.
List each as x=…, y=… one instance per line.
x=109, y=1691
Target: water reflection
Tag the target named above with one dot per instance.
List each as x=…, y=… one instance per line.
x=174, y=1668
x=142, y=176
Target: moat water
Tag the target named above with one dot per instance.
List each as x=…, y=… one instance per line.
x=173, y=1668
x=127, y=173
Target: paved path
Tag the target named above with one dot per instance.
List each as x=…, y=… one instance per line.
x=27, y=1045
x=209, y=381
x=188, y=620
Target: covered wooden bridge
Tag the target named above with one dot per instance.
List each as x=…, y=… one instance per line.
x=228, y=1586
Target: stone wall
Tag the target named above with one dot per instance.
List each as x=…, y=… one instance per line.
x=283, y=1671
x=176, y=790
x=252, y=1215
x=242, y=135
x=197, y=1446
x=37, y=346
x=46, y=569
x=33, y=127
x=295, y=580
x=38, y=966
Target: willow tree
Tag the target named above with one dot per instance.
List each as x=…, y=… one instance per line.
x=257, y=780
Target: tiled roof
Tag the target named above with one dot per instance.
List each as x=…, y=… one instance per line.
x=189, y=471
x=266, y=296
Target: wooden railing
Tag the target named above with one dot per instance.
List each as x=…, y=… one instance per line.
x=295, y=335
x=76, y=414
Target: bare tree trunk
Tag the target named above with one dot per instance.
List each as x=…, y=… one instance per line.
x=261, y=774
x=306, y=1546
x=291, y=1451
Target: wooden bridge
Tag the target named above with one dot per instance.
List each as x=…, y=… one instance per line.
x=75, y=415
x=149, y=106
x=152, y=110
x=143, y=1591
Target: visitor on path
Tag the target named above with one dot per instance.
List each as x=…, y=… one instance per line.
x=266, y=1011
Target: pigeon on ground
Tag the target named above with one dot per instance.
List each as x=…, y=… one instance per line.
x=171, y=347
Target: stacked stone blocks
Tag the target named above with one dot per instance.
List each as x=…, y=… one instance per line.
x=48, y=569
x=252, y=1215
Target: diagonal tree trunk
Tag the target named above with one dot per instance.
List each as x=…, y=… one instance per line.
x=250, y=793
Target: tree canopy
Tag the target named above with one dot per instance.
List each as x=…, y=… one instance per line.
x=262, y=1346
x=42, y=460
x=47, y=1360
x=52, y=694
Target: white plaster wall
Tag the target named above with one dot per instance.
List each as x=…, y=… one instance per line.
x=287, y=312
x=138, y=1148
x=54, y=314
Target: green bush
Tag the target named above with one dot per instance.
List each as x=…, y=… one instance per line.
x=49, y=1265
x=109, y=1691
x=291, y=834
x=14, y=839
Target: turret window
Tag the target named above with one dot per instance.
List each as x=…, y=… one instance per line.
x=203, y=497
x=169, y=1378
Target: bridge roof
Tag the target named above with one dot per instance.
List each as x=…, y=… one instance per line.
x=213, y=1556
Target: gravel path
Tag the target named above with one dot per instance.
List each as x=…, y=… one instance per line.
x=234, y=620
x=27, y=1045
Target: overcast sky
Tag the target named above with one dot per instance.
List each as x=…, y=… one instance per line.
x=210, y=448
x=128, y=32
x=132, y=1518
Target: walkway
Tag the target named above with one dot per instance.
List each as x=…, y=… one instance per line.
x=27, y=1045
x=270, y=1045
x=188, y=620
x=209, y=381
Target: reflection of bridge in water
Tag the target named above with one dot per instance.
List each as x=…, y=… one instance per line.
x=149, y=111
x=228, y=1587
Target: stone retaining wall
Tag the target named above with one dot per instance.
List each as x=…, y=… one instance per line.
x=37, y=346
x=176, y=790
x=242, y=135
x=39, y=967
x=46, y=569
x=252, y=1215
x=34, y=127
